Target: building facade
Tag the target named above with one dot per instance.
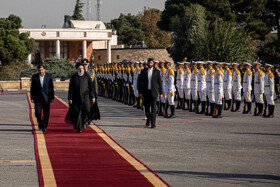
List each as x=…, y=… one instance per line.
x=76, y=39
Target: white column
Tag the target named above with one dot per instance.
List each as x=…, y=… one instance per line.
x=84, y=49
x=58, y=49
x=109, y=54
x=29, y=58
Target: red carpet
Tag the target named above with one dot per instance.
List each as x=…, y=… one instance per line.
x=85, y=159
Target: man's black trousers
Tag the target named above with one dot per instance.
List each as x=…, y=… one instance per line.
x=150, y=108
x=45, y=106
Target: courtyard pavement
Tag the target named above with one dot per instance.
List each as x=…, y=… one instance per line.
x=189, y=150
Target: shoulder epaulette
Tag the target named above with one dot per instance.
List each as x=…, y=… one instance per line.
x=170, y=72
x=271, y=75
x=196, y=71
x=189, y=71
x=261, y=73
x=181, y=71
x=249, y=72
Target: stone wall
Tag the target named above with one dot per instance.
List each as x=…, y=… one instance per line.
x=132, y=54
x=24, y=84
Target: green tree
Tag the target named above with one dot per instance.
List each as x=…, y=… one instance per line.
x=78, y=11
x=14, y=47
x=271, y=16
x=244, y=12
x=173, y=9
x=270, y=53
x=128, y=28
x=189, y=34
x=154, y=37
x=229, y=43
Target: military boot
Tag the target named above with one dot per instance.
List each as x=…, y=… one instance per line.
x=260, y=109
x=172, y=115
x=270, y=111
x=249, y=104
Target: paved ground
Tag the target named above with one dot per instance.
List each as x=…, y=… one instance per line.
x=190, y=150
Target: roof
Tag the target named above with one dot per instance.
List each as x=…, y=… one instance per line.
x=87, y=24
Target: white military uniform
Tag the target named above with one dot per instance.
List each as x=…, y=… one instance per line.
x=210, y=85
x=247, y=85
x=135, y=78
x=259, y=86
x=201, y=84
x=269, y=88
x=236, y=85
x=193, y=84
x=169, y=86
x=218, y=87
x=186, y=83
x=162, y=75
x=179, y=82
x=228, y=84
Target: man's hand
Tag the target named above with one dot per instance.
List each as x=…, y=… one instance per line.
x=93, y=100
x=160, y=96
x=70, y=102
x=32, y=101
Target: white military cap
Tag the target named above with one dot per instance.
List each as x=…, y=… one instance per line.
x=269, y=65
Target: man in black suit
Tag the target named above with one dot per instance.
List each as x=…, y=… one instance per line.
x=42, y=93
x=149, y=88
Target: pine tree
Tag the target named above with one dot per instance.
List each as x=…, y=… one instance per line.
x=78, y=10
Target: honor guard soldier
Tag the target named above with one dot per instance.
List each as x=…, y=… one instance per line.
x=218, y=89
x=120, y=82
x=193, y=86
x=236, y=87
x=186, y=85
x=201, y=87
x=227, y=86
x=277, y=83
x=131, y=97
x=258, y=89
x=210, y=89
x=163, y=98
x=135, y=87
x=269, y=91
x=247, y=88
x=170, y=90
x=156, y=66
x=179, y=84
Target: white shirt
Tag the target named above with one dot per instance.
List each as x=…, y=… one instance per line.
x=42, y=80
x=150, y=74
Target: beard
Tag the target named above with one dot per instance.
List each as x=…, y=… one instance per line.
x=81, y=73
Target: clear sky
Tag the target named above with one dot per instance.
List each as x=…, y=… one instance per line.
x=35, y=13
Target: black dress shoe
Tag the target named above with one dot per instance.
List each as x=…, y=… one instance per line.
x=79, y=130
x=153, y=126
x=44, y=129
